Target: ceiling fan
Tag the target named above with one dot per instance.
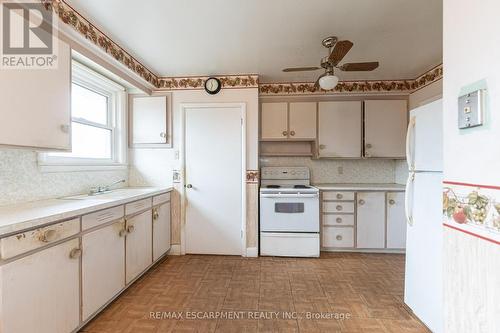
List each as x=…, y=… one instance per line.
x=337, y=51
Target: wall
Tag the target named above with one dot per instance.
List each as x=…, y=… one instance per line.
x=471, y=267
x=21, y=180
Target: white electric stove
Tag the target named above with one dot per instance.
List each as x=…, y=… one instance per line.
x=289, y=213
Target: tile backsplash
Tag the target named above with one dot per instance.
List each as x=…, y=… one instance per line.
x=341, y=171
x=21, y=179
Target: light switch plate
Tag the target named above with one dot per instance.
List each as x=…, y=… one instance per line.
x=471, y=109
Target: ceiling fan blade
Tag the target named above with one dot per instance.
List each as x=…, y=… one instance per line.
x=359, y=66
x=339, y=51
x=300, y=69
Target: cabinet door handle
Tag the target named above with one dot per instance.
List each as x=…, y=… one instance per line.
x=368, y=145
x=339, y=220
x=392, y=202
x=65, y=128
x=48, y=236
x=163, y=135
x=156, y=214
x=130, y=229
x=339, y=196
x=292, y=133
x=75, y=253
x=122, y=232
x=285, y=133
x=339, y=207
x=322, y=146
x=361, y=202
x=339, y=237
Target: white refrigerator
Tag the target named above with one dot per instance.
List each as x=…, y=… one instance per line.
x=423, y=204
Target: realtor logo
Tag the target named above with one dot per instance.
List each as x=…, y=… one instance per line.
x=28, y=38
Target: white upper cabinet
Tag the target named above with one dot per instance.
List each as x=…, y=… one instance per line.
x=274, y=121
x=340, y=129
x=150, y=121
x=35, y=106
x=385, y=128
x=302, y=125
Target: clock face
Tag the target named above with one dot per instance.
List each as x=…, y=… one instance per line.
x=212, y=85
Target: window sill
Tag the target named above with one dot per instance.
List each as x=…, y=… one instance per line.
x=46, y=168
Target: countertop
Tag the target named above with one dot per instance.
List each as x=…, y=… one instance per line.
x=18, y=217
x=360, y=187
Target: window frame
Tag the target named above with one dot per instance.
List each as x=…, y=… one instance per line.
x=116, y=123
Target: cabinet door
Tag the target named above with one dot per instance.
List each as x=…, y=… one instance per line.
x=161, y=230
x=370, y=222
x=35, y=105
x=41, y=292
x=385, y=128
x=139, y=244
x=302, y=121
x=340, y=129
x=274, y=121
x=103, y=266
x=396, y=220
x=149, y=120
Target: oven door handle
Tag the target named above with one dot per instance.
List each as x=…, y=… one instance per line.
x=289, y=195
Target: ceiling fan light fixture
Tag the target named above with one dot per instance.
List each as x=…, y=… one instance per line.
x=328, y=82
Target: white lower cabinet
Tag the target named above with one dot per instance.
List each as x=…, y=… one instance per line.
x=370, y=227
x=139, y=244
x=161, y=230
x=41, y=292
x=396, y=220
x=103, y=266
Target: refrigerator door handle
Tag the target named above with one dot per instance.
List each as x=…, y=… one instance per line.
x=408, y=208
x=409, y=141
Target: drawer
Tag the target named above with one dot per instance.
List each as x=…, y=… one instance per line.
x=338, y=237
x=338, y=219
x=137, y=206
x=159, y=199
x=338, y=207
x=334, y=195
x=101, y=217
x=31, y=240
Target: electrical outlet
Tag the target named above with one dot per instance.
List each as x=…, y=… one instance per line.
x=176, y=154
x=340, y=170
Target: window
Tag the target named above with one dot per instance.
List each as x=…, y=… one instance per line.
x=97, y=123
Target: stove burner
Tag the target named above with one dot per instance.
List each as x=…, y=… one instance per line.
x=273, y=186
x=300, y=186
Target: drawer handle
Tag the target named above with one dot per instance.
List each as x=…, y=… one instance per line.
x=392, y=202
x=285, y=133
x=339, y=220
x=339, y=237
x=292, y=133
x=130, y=229
x=339, y=196
x=48, y=236
x=339, y=207
x=75, y=253
x=361, y=202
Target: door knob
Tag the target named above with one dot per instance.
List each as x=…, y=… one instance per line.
x=189, y=186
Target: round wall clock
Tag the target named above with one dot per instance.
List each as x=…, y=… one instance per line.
x=212, y=85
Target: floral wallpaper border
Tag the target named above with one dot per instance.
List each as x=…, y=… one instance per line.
x=381, y=86
x=472, y=208
x=252, y=176
x=228, y=81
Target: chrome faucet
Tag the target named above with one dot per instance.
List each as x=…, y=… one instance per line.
x=105, y=188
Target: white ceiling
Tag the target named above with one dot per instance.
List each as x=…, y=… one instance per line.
x=203, y=37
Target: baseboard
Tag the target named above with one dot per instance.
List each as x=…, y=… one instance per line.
x=252, y=252
x=175, y=250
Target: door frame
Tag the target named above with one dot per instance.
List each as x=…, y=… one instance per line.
x=182, y=152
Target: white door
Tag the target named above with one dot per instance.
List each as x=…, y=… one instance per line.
x=103, y=266
x=302, y=117
x=424, y=247
x=396, y=220
x=340, y=129
x=149, y=120
x=161, y=230
x=274, y=121
x=385, y=128
x=41, y=292
x=425, y=138
x=139, y=244
x=370, y=222
x=214, y=175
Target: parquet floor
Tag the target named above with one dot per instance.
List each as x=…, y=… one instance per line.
x=353, y=293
